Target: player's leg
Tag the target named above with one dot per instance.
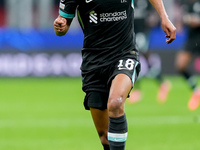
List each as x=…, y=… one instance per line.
x=154, y=71
x=163, y=91
x=164, y=87
x=120, y=88
x=100, y=119
x=183, y=59
x=117, y=132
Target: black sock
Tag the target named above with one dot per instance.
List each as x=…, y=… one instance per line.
x=190, y=79
x=117, y=132
x=106, y=147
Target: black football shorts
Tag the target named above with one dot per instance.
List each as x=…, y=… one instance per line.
x=192, y=44
x=96, y=83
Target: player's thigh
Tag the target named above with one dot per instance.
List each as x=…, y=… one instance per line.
x=120, y=87
x=124, y=75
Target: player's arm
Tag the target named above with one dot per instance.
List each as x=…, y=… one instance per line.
x=61, y=25
x=167, y=26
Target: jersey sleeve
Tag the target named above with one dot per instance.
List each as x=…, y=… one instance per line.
x=67, y=8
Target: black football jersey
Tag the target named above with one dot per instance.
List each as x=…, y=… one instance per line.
x=108, y=27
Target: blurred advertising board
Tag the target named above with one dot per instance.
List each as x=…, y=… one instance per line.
x=41, y=53
x=40, y=64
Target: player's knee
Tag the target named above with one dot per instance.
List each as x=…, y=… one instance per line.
x=115, y=106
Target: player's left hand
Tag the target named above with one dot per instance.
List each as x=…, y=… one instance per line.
x=169, y=29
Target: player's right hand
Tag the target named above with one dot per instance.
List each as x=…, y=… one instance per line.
x=60, y=24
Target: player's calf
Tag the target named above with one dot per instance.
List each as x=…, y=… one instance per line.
x=117, y=132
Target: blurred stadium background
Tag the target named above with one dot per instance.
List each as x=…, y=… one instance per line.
x=40, y=87
x=29, y=47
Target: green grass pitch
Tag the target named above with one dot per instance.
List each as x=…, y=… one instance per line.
x=47, y=114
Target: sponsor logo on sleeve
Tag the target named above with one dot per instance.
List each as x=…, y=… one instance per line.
x=62, y=6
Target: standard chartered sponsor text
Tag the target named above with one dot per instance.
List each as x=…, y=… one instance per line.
x=115, y=16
